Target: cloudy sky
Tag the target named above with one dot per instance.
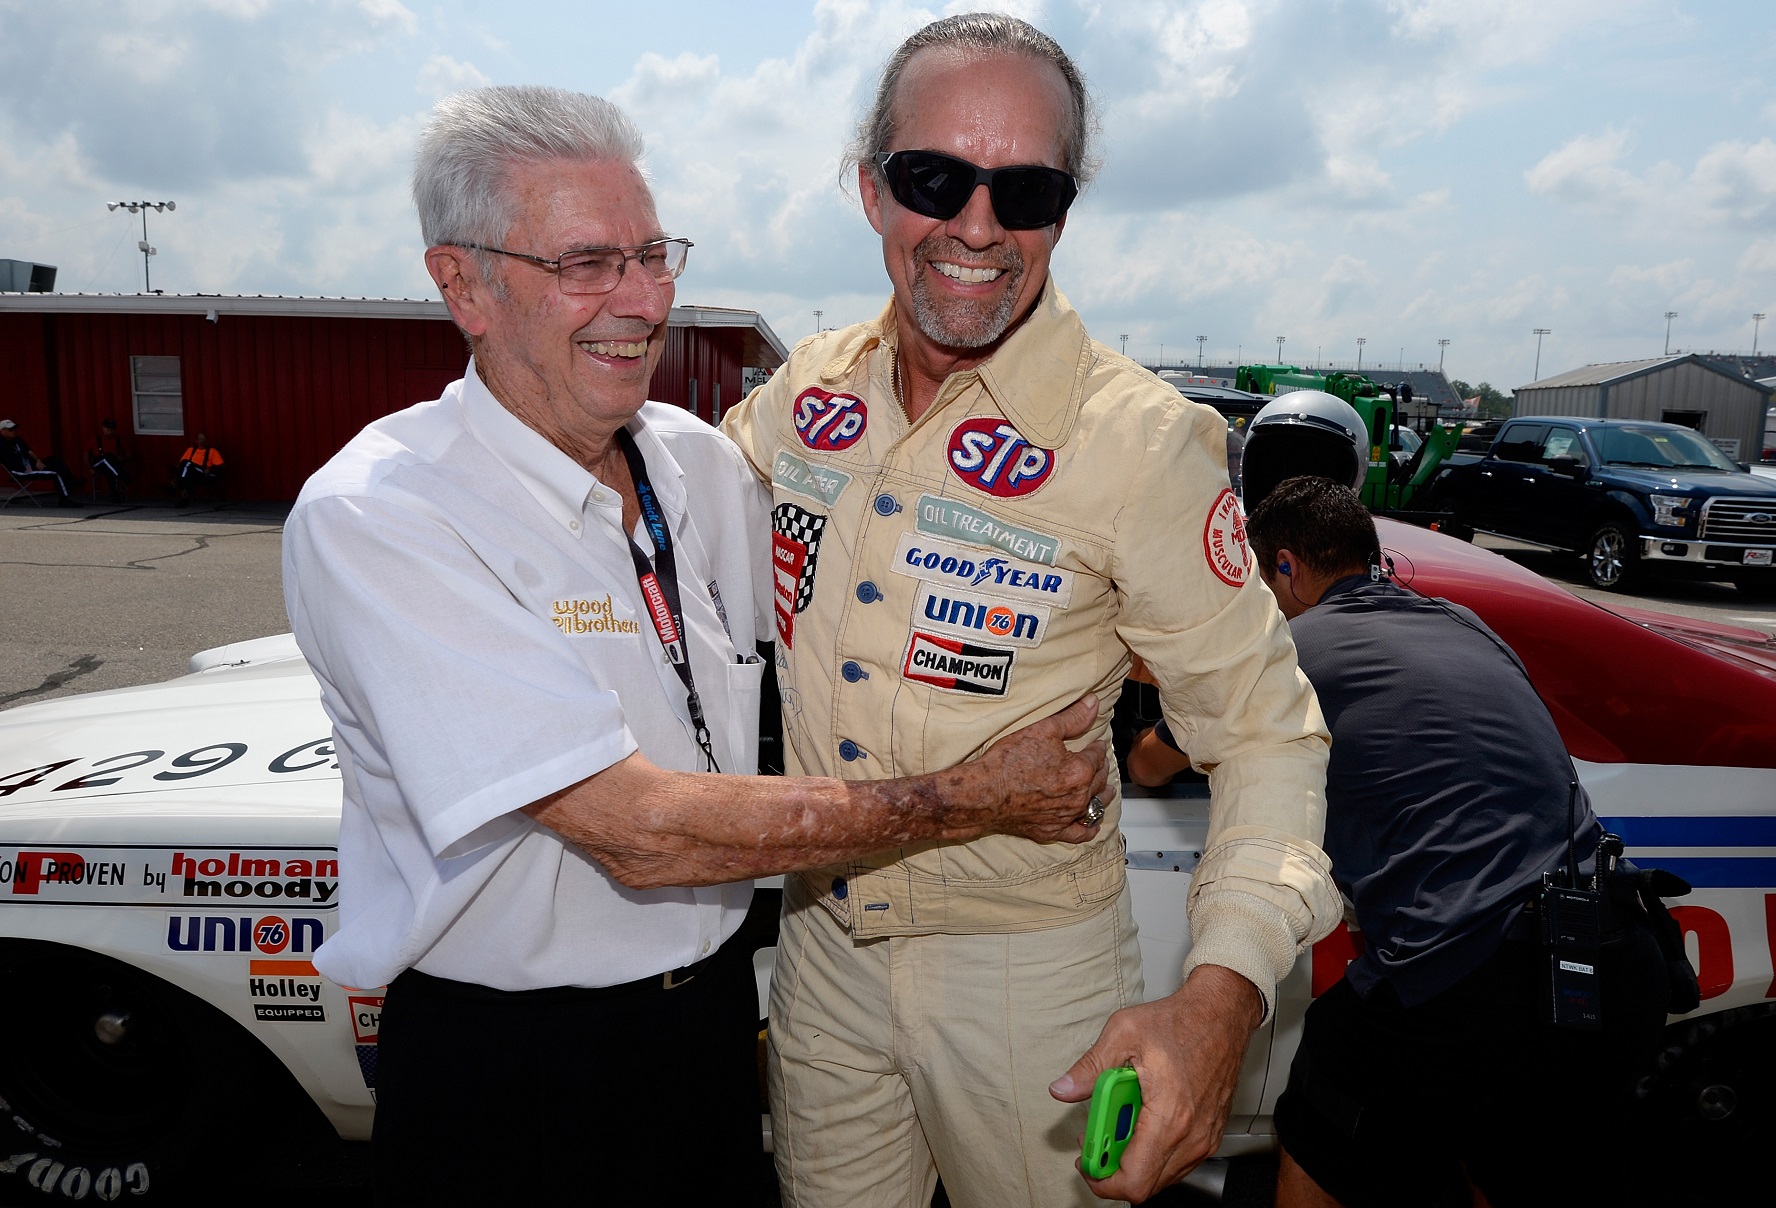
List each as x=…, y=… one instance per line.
x=1399, y=170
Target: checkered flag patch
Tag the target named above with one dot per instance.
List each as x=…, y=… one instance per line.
x=801, y=529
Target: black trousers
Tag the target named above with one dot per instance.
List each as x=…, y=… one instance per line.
x=634, y=1094
x=1393, y=1105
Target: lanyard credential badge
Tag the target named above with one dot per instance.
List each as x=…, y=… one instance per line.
x=659, y=588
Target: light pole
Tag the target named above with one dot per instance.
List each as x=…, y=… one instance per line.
x=1441, y=345
x=1538, y=333
x=1125, y=343
x=1280, y=340
x=1756, y=322
x=142, y=207
x=817, y=317
x=1360, y=342
x=1669, y=315
x=1200, y=341
x=1162, y=356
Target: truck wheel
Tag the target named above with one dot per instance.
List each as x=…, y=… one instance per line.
x=1758, y=584
x=1612, y=557
x=114, y=1083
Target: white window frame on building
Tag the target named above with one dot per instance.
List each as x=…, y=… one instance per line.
x=157, y=396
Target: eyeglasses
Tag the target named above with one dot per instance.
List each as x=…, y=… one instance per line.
x=939, y=186
x=596, y=270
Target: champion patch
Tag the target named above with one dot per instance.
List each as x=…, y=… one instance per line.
x=954, y=665
x=795, y=541
x=992, y=456
x=828, y=422
x=1224, y=541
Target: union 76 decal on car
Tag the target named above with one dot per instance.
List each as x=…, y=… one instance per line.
x=828, y=422
x=957, y=666
x=795, y=543
x=1224, y=541
x=990, y=455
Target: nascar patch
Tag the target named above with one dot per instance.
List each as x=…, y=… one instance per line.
x=795, y=543
x=951, y=518
x=1224, y=541
x=816, y=482
x=937, y=561
x=980, y=616
x=828, y=422
x=990, y=455
x=953, y=665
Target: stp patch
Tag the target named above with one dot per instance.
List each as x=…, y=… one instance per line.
x=1224, y=541
x=795, y=544
x=990, y=455
x=957, y=666
x=828, y=422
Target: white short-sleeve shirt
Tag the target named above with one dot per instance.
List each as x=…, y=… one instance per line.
x=466, y=597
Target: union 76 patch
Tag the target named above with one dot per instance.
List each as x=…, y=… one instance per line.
x=1224, y=541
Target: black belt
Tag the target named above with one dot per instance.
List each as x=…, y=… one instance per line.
x=460, y=991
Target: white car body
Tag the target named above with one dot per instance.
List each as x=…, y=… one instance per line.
x=189, y=828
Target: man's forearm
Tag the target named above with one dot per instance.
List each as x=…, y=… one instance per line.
x=652, y=828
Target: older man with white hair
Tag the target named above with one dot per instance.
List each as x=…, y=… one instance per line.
x=534, y=608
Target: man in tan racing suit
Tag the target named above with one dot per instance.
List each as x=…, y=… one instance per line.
x=979, y=513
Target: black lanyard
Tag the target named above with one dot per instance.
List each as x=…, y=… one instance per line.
x=659, y=588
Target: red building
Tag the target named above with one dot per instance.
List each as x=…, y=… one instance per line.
x=279, y=384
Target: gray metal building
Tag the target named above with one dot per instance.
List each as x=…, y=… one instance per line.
x=1685, y=389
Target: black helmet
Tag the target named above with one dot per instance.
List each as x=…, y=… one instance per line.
x=1303, y=432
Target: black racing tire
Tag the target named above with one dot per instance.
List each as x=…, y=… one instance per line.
x=1712, y=1098
x=1612, y=557
x=116, y=1085
x=1756, y=584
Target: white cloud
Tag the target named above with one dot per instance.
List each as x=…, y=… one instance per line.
x=1732, y=183
x=1586, y=172
x=443, y=75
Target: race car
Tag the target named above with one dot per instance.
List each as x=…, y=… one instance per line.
x=169, y=864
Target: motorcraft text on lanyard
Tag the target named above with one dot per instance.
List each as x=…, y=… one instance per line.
x=659, y=588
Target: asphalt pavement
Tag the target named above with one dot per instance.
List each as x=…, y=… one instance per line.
x=107, y=597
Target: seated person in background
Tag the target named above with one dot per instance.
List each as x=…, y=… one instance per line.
x=108, y=460
x=16, y=456
x=201, y=464
x=1449, y=794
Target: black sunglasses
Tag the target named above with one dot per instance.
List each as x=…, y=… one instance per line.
x=939, y=186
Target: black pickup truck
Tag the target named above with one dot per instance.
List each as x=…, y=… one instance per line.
x=1625, y=495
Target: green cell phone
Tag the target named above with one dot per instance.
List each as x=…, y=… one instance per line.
x=1115, y=1105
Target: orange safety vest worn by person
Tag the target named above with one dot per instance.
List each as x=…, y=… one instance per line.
x=200, y=457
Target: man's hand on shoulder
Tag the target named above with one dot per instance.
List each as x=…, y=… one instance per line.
x=1188, y=1049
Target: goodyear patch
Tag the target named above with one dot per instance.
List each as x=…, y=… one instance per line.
x=952, y=565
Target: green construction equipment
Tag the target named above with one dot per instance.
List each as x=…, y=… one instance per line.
x=1389, y=487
